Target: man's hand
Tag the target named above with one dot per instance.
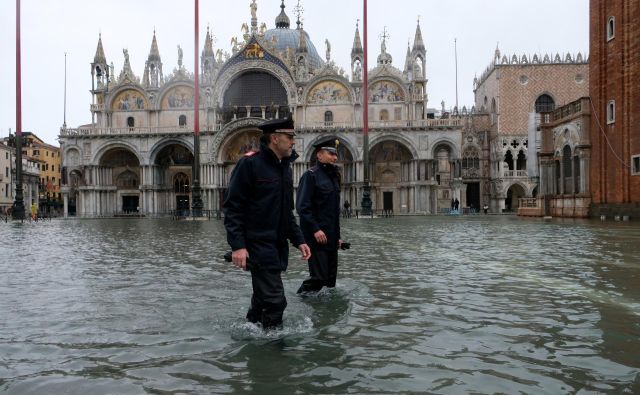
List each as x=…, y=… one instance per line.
x=239, y=258
x=321, y=238
x=340, y=244
x=305, y=250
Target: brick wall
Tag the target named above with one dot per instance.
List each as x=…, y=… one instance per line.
x=614, y=71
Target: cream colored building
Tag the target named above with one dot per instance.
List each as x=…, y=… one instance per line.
x=136, y=155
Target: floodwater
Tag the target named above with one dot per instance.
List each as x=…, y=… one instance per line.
x=481, y=304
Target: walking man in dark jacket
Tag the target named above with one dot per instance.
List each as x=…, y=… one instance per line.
x=258, y=217
x=318, y=205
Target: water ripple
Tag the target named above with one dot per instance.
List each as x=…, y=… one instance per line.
x=483, y=304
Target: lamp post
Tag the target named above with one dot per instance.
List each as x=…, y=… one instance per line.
x=365, y=204
x=17, y=211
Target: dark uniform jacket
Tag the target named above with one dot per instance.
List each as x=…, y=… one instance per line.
x=258, y=208
x=318, y=205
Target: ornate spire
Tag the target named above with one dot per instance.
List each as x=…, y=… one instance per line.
x=302, y=43
x=408, y=61
x=418, y=44
x=357, y=44
x=208, y=44
x=282, y=20
x=99, y=57
x=298, y=10
x=154, y=54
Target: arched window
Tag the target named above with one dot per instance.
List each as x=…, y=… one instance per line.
x=471, y=159
x=131, y=122
x=508, y=159
x=611, y=28
x=384, y=115
x=127, y=179
x=181, y=183
x=544, y=103
x=576, y=174
x=558, y=178
x=328, y=118
x=182, y=120
x=521, y=163
x=567, y=169
x=494, y=108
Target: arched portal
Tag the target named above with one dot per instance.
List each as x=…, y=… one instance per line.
x=514, y=194
x=119, y=167
x=389, y=164
x=174, y=164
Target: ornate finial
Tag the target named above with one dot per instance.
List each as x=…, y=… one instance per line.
x=357, y=23
x=418, y=20
x=384, y=36
x=298, y=10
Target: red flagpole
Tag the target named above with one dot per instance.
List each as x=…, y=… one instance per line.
x=196, y=98
x=196, y=191
x=18, y=204
x=365, y=204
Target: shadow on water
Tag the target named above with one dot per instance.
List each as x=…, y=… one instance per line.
x=486, y=304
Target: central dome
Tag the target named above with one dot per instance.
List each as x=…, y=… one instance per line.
x=288, y=38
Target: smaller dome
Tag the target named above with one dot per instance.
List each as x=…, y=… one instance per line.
x=282, y=20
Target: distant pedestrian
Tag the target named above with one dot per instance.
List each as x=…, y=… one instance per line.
x=456, y=204
x=485, y=208
x=453, y=204
x=347, y=209
x=34, y=210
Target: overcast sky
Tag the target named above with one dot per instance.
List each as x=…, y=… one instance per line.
x=52, y=27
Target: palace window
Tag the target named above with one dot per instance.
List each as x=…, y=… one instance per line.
x=544, y=103
x=611, y=28
x=131, y=122
x=182, y=121
x=384, y=115
x=181, y=183
x=611, y=111
x=328, y=118
x=471, y=159
x=567, y=168
x=635, y=165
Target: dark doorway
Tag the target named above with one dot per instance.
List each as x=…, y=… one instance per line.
x=182, y=204
x=130, y=204
x=473, y=195
x=72, y=206
x=387, y=201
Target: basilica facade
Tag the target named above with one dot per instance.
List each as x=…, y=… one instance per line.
x=137, y=154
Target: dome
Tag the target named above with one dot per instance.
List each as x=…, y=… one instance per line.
x=290, y=38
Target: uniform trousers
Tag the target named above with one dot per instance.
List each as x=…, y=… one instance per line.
x=323, y=271
x=268, y=301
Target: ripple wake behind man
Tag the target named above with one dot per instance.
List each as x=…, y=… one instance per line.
x=258, y=217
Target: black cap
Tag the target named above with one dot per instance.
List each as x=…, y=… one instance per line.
x=328, y=145
x=278, y=126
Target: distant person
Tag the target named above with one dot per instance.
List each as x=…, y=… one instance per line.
x=318, y=205
x=347, y=209
x=485, y=208
x=34, y=210
x=258, y=217
x=453, y=204
x=456, y=204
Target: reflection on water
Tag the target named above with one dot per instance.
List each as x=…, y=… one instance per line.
x=424, y=304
